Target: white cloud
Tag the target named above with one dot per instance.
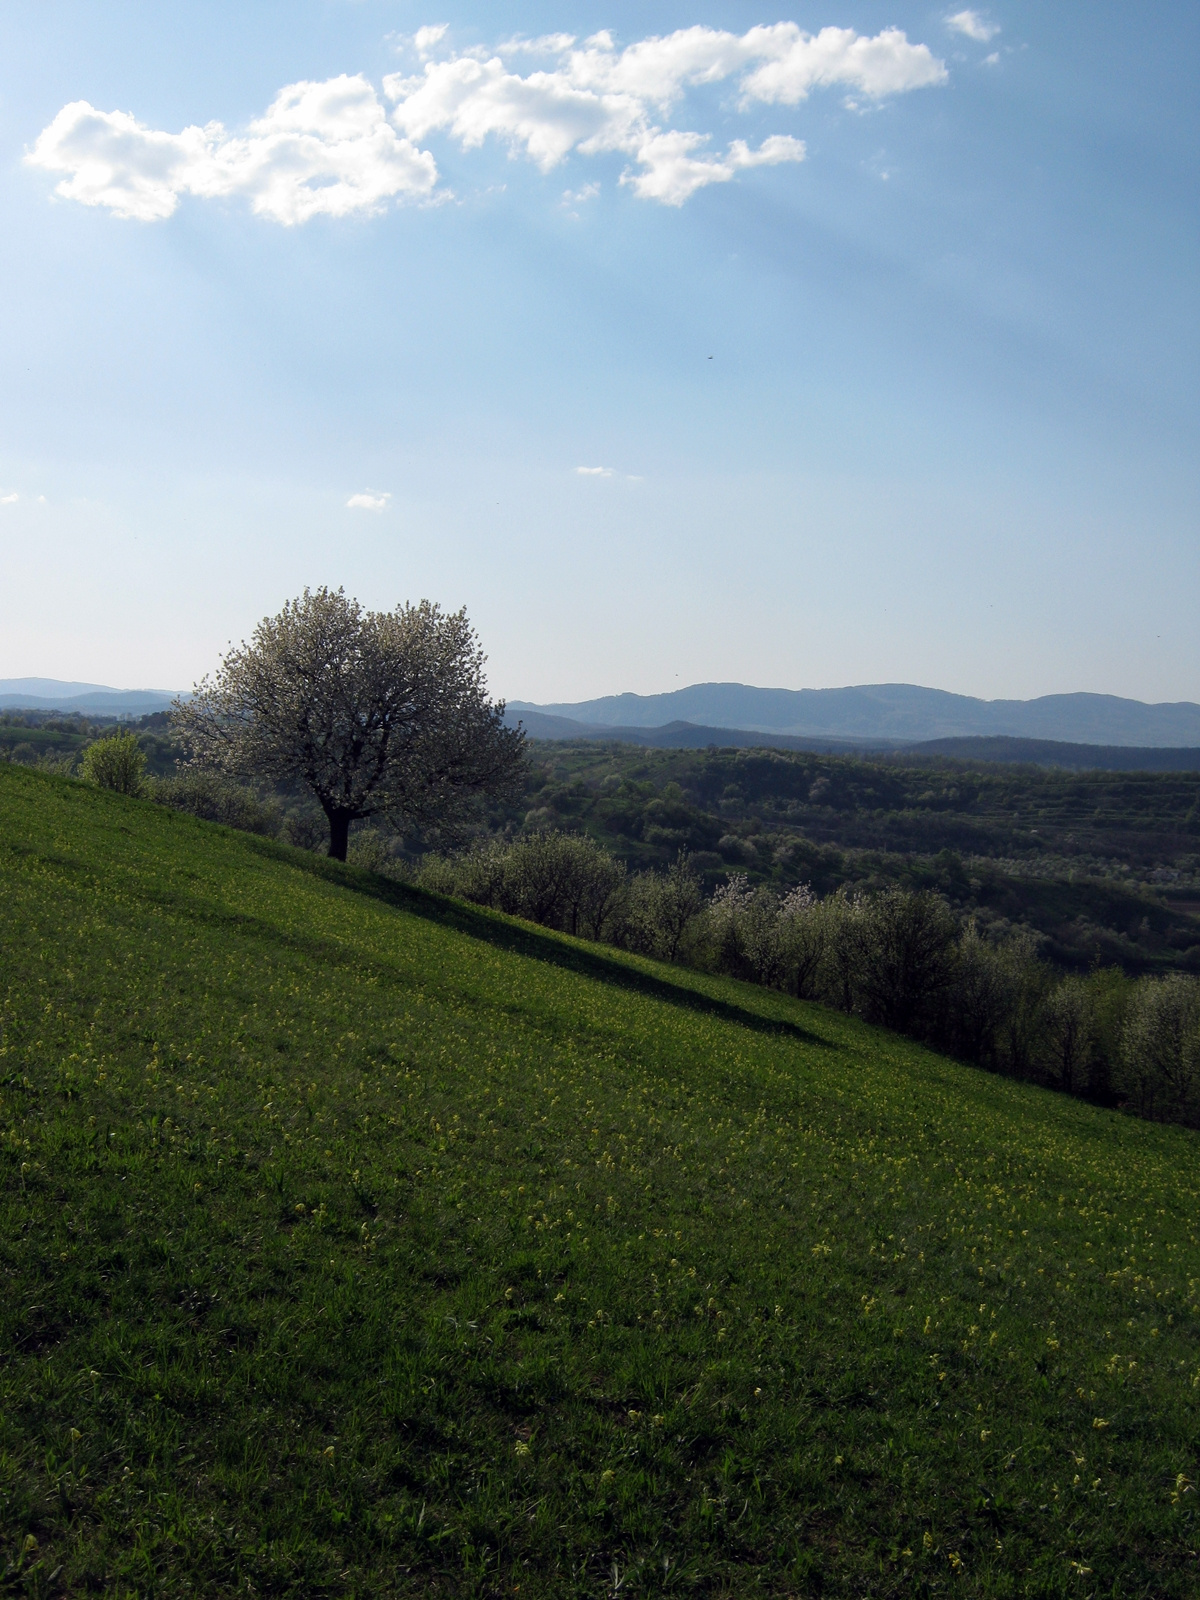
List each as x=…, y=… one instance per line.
x=973, y=26
x=9, y=499
x=547, y=44
x=330, y=148
x=673, y=174
x=598, y=98
x=887, y=64
x=594, y=472
x=428, y=37
x=321, y=149
x=368, y=502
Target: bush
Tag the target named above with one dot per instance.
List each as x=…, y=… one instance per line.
x=659, y=909
x=802, y=941
x=980, y=996
x=841, y=949
x=562, y=880
x=215, y=799
x=305, y=830
x=1159, y=1066
x=1071, y=1032
x=117, y=762
x=904, y=942
x=369, y=848
x=439, y=874
x=763, y=939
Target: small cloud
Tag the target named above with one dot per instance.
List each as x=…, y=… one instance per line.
x=993, y=60
x=368, y=502
x=547, y=44
x=9, y=499
x=594, y=472
x=575, y=197
x=972, y=26
x=426, y=38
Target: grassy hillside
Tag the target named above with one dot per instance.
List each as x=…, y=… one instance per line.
x=355, y=1243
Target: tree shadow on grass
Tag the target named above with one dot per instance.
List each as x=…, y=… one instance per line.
x=539, y=944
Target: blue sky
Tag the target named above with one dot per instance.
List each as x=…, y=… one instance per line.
x=891, y=372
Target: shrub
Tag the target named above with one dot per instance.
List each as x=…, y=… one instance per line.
x=1160, y=1056
x=980, y=996
x=215, y=799
x=1071, y=1032
x=841, y=949
x=116, y=762
x=369, y=849
x=904, y=942
x=439, y=874
x=752, y=936
x=562, y=880
x=665, y=905
x=305, y=830
x=802, y=941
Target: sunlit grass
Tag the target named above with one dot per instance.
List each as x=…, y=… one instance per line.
x=356, y=1243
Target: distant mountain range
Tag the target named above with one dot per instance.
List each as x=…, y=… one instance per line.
x=882, y=714
x=91, y=699
x=1069, y=730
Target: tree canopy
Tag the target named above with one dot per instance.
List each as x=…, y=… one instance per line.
x=376, y=713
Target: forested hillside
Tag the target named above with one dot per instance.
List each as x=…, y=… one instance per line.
x=1104, y=866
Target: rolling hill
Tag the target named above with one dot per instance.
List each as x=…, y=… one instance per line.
x=903, y=712
x=359, y=1242
x=90, y=699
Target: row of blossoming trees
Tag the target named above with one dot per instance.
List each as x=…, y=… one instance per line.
x=898, y=958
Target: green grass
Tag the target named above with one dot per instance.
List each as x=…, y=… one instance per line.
x=356, y=1243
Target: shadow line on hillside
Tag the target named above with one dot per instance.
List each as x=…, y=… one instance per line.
x=527, y=939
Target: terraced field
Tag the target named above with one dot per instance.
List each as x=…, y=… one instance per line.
x=358, y=1243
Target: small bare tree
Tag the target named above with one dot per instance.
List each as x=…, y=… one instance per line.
x=376, y=713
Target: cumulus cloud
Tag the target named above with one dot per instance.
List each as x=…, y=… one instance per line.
x=332, y=149
x=321, y=149
x=594, y=472
x=598, y=98
x=973, y=26
x=672, y=172
x=9, y=499
x=429, y=37
x=368, y=502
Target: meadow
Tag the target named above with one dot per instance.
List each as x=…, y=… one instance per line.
x=358, y=1242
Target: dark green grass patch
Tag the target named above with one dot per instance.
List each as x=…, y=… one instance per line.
x=356, y=1243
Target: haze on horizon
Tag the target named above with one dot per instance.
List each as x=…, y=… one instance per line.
x=808, y=348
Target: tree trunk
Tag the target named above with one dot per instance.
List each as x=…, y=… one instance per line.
x=339, y=833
